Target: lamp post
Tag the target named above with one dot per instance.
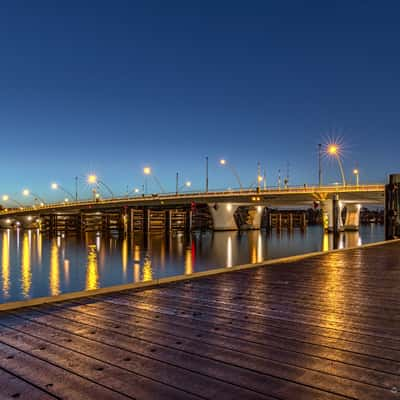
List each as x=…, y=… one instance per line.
x=320, y=165
x=93, y=179
x=223, y=162
x=356, y=173
x=187, y=184
x=207, y=174
x=334, y=151
x=56, y=186
x=259, y=177
x=27, y=192
x=147, y=171
x=6, y=197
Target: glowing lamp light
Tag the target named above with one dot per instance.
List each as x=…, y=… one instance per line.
x=333, y=149
x=8, y=221
x=5, y=197
x=66, y=199
x=147, y=170
x=97, y=195
x=54, y=186
x=136, y=190
x=188, y=183
x=260, y=178
x=355, y=171
x=26, y=192
x=92, y=179
x=222, y=162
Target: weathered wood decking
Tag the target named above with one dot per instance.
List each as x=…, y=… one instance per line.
x=326, y=327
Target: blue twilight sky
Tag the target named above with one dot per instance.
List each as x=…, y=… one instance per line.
x=112, y=86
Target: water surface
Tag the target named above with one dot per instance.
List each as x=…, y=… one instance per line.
x=33, y=265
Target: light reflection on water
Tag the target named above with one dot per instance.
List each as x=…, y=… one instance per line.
x=33, y=265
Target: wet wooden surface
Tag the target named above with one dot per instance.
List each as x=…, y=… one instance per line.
x=326, y=327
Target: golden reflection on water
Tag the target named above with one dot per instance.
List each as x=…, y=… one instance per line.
x=5, y=263
x=147, y=269
x=253, y=258
x=66, y=271
x=325, y=241
x=92, y=274
x=260, y=256
x=39, y=246
x=229, y=252
x=26, y=277
x=54, y=269
x=188, y=261
x=124, y=256
x=162, y=254
x=136, y=265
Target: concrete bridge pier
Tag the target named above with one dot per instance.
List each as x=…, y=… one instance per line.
x=6, y=223
x=352, y=222
x=255, y=217
x=223, y=216
x=332, y=215
x=27, y=222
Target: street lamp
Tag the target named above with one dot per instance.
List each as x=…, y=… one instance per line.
x=187, y=184
x=356, y=172
x=6, y=197
x=223, y=162
x=27, y=192
x=93, y=179
x=333, y=150
x=148, y=172
x=56, y=186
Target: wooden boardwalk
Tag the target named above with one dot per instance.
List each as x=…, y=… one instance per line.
x=326, y=327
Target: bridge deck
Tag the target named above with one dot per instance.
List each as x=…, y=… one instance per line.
x=326, y=327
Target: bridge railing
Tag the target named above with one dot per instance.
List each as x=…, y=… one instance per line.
x=202, y=194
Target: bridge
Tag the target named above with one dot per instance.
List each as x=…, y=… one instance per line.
x=140, y=211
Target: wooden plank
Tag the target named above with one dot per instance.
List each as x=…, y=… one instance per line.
x=184, y=340
x=12, y=387
x=292, y=329
x=361, y=325
x=115, y=381
x=309, y=344
x=138, y=357
x=50, y=378
x=244, y=377
x=287, y=305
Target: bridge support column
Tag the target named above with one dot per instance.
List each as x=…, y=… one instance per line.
x=330, y=214
x=352, y=222
x=6, y=223
x=223, y=216
x=255, y=217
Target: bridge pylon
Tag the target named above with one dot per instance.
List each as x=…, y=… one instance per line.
x=223, y=216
